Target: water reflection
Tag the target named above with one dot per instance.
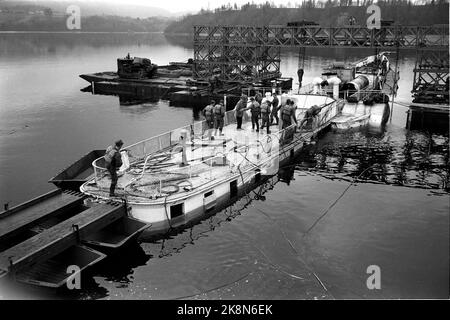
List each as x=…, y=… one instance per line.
x=36, y=44
x=399, y=157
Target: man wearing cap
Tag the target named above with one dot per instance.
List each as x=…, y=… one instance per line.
x=113, y=161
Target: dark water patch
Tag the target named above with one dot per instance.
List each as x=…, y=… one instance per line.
x=397, y=157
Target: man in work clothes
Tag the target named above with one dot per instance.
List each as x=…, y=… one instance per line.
x=265, y=112
x=255, y=109
x=275, y=108
x=310, y=114
x=113, y=161
x=208, y=114
x=241, y=106
x=258, y=97
x=286, y=113
x=209, y=117
x=219, y=113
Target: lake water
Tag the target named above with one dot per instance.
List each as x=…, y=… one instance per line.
x=285, y=240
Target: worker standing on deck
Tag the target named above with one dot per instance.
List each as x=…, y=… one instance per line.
x=293, y=109
x=113, y=161
x=275, y=108
x=286, y=114
x=239, y=109
x=308, y=119
x=219, y=114
x=258, y=97
x=209, y=116
x=265, y=114
x=255, y=109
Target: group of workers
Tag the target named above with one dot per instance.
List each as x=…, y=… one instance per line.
x=265, y=109
x=214, y=115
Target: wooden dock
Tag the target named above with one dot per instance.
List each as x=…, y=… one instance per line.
x=40, y=238
x=29, y=215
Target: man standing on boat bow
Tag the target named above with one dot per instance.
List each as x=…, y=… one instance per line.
x=113, y=161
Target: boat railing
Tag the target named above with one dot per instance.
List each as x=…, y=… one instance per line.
x=161, y=145
x=263, y=90
x=363, y=94
x=306, y=89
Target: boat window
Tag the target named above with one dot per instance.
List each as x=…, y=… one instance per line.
x=176, y=210
x=233, y=189
x=209, y=193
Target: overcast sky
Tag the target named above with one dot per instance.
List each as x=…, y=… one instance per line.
x=184, y=5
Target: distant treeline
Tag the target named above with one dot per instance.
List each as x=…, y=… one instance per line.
x=329, y=13
x=89, y=23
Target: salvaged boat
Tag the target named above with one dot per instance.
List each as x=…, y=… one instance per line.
x=365, y=86
x=182, y=175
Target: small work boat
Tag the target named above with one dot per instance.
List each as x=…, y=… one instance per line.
x=142, y=70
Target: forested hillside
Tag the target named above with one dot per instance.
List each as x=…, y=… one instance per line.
x=329, y=13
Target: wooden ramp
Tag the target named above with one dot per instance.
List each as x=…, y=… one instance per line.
x=58, y=238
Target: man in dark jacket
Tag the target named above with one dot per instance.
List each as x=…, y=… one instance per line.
x=275, y=108
x=265, y=114
x=255, y=109
x=241, y=106
x=113, y=161
x=258, y=97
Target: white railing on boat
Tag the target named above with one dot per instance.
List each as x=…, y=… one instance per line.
x=362, y=94
x=143, y=150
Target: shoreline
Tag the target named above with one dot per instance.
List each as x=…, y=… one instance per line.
x=86, y=32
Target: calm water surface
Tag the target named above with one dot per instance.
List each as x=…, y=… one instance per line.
x=286, y=239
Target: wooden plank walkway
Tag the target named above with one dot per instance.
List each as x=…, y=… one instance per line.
x=31, y=213
x=59, y=237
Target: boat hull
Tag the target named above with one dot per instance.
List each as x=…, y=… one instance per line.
x=196, y=208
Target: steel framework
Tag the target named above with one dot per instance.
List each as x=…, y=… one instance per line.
x=252, y=53
x=430, y=75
